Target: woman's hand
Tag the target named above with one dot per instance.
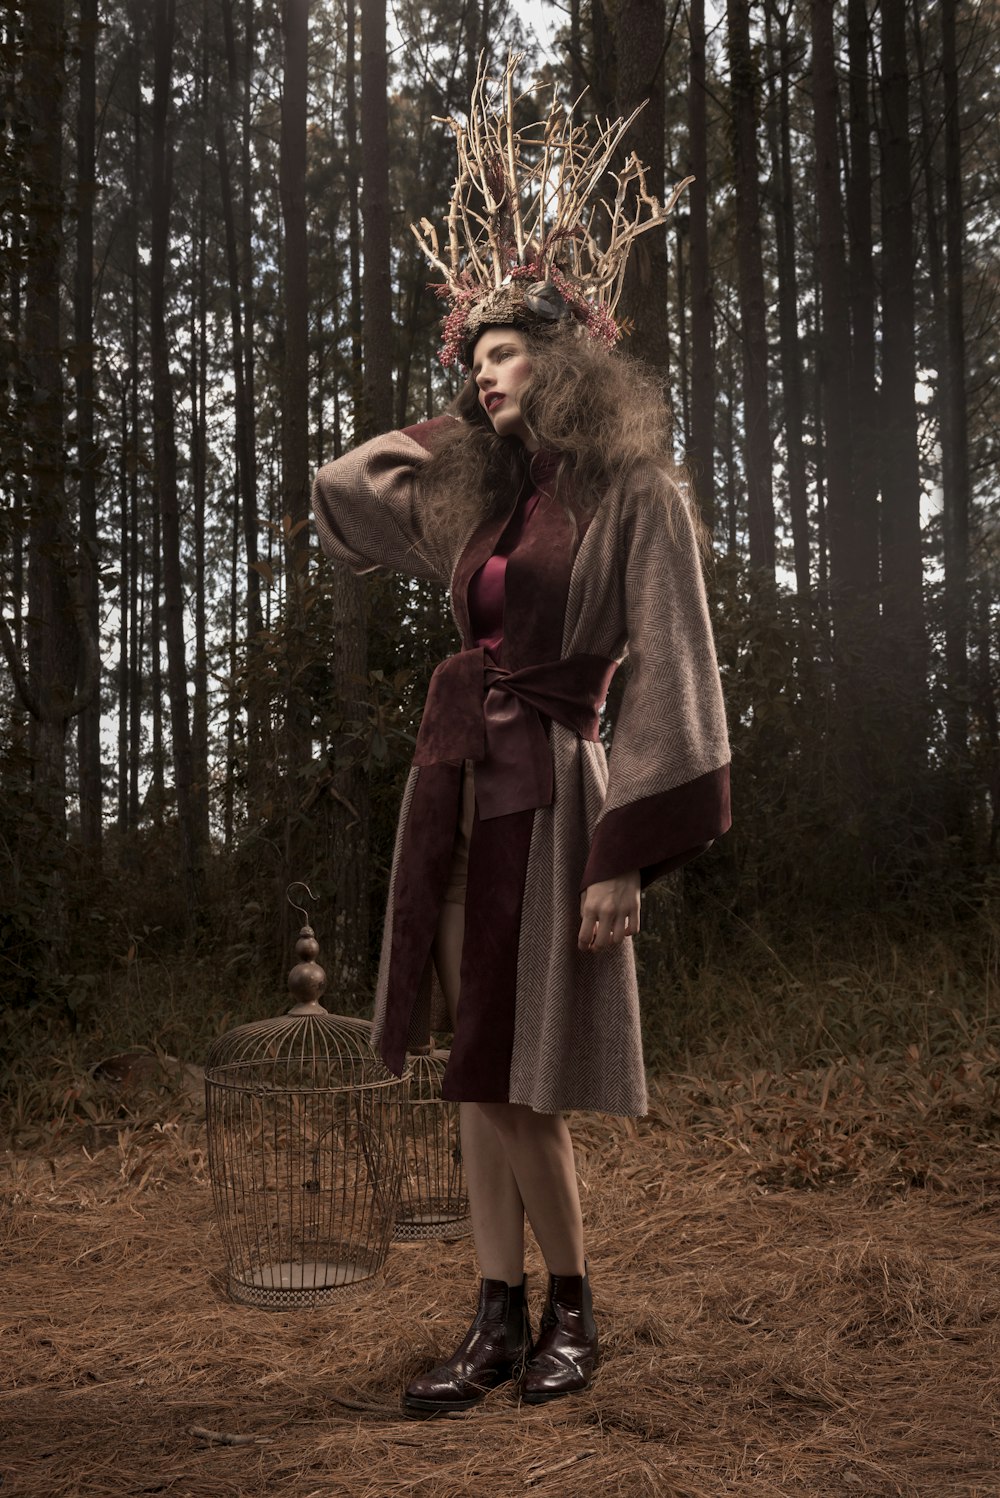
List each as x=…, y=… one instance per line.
x=609, y=912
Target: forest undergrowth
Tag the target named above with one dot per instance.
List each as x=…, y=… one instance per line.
x=900, y=1009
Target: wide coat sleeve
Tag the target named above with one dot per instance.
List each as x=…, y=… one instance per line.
x=366, y=507
x=668, y=789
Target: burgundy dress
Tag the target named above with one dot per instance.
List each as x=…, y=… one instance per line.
x=486, y=611
x=486, y=590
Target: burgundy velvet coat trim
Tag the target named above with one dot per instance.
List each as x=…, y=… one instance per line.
x=658, y=833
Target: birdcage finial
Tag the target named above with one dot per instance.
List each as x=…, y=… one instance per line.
x=307, y=980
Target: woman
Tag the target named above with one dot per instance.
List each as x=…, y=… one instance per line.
x=548, y=502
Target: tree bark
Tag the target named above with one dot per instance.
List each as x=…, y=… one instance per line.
x=701, y=432
x=62, y=657
x=14, y=137
x=198, y=376
x=903, y=629
x=955, y=448
x=377, y=283
x=753, y=306
x=834, y=351
x=124, y=616
x=294, y=433
x=239, y=249
x=165, y=458
x=353, y=168
x=89, y=722
x=640, y=45
x=137, y=595
x=779, y=134
x=864, y=400
x=232, y=707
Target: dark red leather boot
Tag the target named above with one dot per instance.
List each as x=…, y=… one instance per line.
x=495, y=1350
x=566, y=1351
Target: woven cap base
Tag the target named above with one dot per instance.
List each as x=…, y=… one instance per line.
x=517, y=304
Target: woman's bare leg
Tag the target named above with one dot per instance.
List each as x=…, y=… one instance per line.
x=494, y=1199
x=539, y=1152
x=516, y=1160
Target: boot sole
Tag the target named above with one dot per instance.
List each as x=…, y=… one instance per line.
x=427, y=1411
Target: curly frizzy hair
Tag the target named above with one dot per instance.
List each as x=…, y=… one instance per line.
x=602, y=411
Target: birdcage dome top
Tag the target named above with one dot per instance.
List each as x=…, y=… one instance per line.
x=307, y=1048
x=293, y=1051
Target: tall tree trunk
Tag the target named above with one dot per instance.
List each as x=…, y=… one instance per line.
x=640, y=44
x=125, y=618
x=955, y=428
x=779, y=131
x=199, y=458
x=680, y=398
x=294, y=433
x=349, y=801
x=58, y=635
x=985, y=699
x=354, y=213
x=728, y=382
x=89, y=729
x=753, y=306
x=165, y=457
x=239, y=269
x=13, y=140
x=232, y=707
x=849, y=603
x=834, y=361
x=137, y=590
x=903, y=631
x=604, y=63
x=377, y=284
x=53, y=651
x=814, y=333
x=701, y=432
x=575, y=52
x=156, y=795
x=864, y=401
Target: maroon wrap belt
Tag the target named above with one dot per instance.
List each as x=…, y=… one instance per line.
x=478, y=710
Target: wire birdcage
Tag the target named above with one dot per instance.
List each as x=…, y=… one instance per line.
x=433, y=1200
x=304, y=1147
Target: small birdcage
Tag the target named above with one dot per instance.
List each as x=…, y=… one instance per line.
x=433, y=1201
x=304, y=1131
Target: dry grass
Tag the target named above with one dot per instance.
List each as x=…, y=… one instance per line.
x=797, y=1278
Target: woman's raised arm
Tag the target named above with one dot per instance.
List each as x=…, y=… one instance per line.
x=366, y=507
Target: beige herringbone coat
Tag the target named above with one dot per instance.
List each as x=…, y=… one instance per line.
x=544, y=1023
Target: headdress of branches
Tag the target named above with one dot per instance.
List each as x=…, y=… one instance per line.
x=528, y=237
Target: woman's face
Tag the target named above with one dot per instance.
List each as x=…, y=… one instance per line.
x=500, y=366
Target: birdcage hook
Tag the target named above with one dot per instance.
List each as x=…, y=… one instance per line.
x=295, y=884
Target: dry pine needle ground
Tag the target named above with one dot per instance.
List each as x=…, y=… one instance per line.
x=797, y=1280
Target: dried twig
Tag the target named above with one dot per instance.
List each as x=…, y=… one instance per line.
x=534, y=1473
x=535, y=183
x=224, y=1438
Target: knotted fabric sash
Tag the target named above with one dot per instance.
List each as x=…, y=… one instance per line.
x=480, y=711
